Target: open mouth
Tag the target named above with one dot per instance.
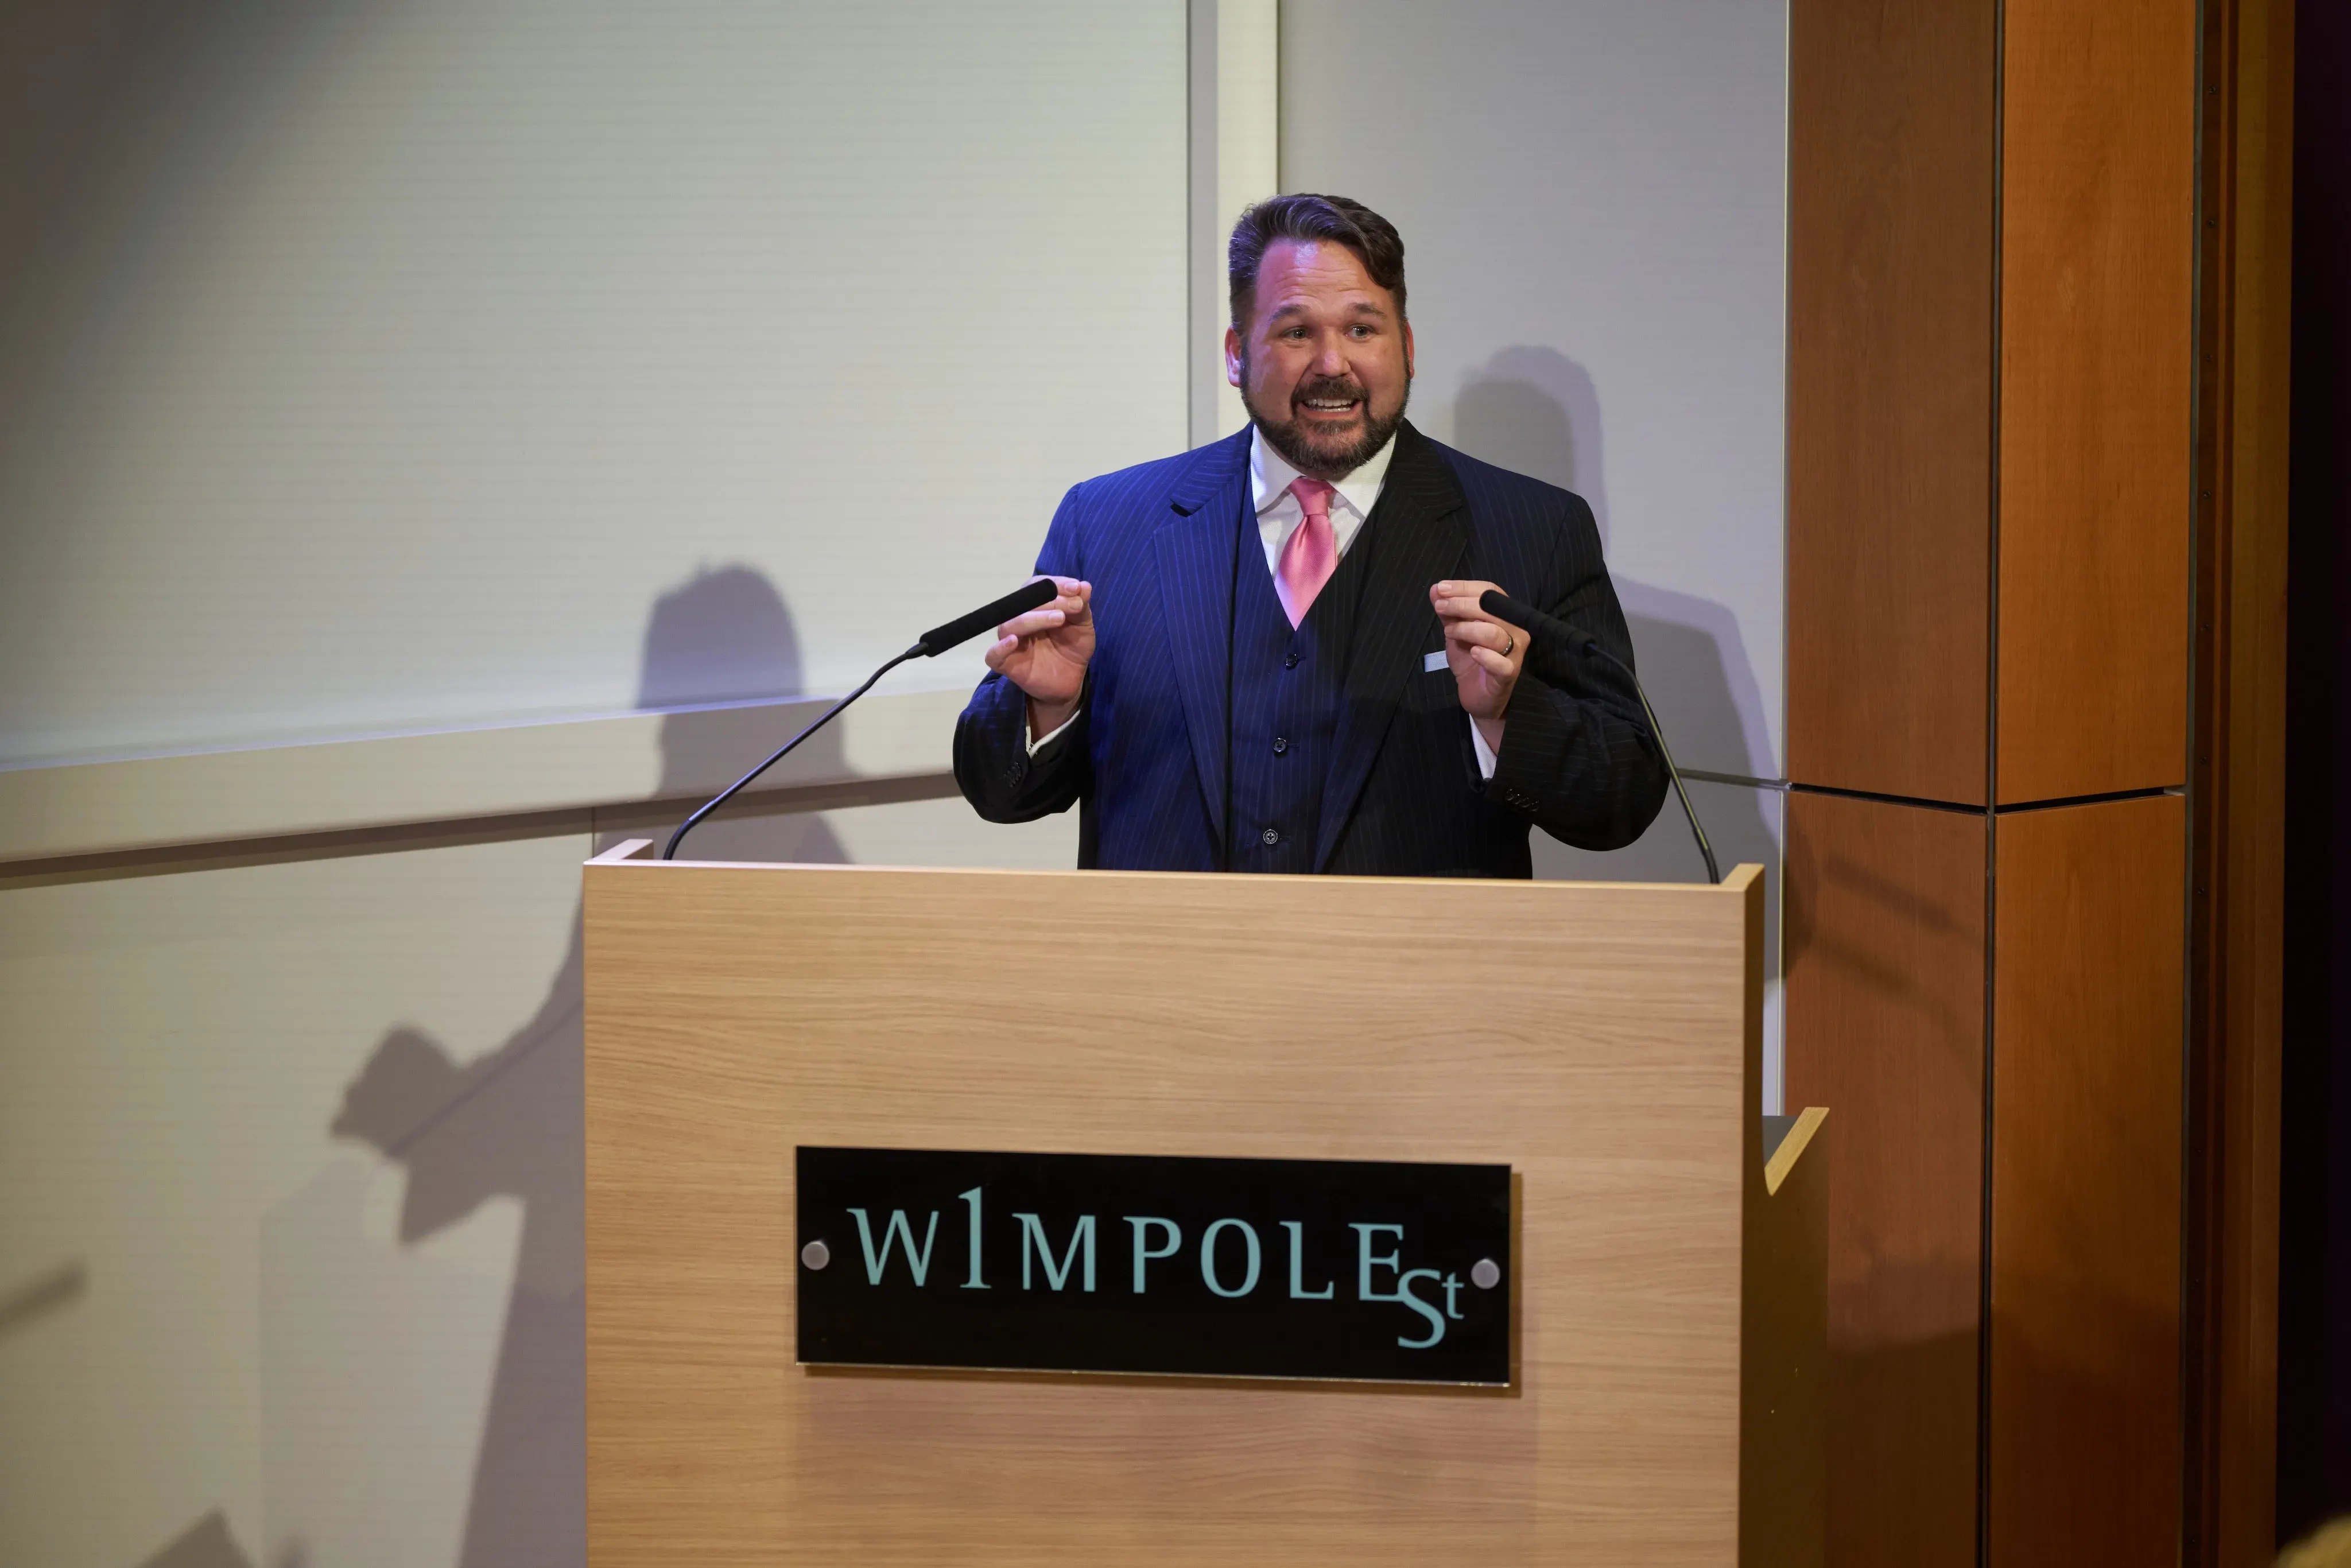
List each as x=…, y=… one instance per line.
x=1329, y=407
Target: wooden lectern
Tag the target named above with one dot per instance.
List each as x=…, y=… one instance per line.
x=1602, y=1039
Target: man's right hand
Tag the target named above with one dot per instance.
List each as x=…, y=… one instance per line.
x=1045, y=654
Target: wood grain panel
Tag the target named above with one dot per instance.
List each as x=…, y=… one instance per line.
x=2237, y=807
x=1885, y=1008
x=2097, y=190
x=1784, y=1334
x=1612, y=1058
x=1890, y=256
x=2087, y=1019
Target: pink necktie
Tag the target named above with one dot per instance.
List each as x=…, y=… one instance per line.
x=1312, y=555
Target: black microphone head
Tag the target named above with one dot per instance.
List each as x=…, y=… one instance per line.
x=1502, y=607
x=964, y=628
x=1534, y=622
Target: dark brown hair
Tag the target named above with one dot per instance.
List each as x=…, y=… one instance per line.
x=1313, y=219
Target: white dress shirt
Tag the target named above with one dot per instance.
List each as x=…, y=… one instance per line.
x=1279, y=513
x=1278, y=517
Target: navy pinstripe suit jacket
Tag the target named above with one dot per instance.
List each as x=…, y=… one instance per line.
x=1146, y=762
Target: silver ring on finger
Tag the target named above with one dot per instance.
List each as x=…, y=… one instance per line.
x=1509, y=641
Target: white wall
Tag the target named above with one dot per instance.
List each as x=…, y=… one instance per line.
x=378, y=364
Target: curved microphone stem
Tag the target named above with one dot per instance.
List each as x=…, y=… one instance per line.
x=1713, y=873
x=1534, y=622
x=669, y=851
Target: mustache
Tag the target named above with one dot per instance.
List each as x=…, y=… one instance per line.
x=1339, y=387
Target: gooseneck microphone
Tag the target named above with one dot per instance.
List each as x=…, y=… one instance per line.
x=1540, y=628
x=929, y=646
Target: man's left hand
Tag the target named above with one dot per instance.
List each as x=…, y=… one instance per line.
x=1486, y=654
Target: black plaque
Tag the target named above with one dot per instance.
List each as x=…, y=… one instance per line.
x=1367, y=1272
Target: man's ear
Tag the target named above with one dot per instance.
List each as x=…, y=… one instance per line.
x=1232, y=356
x=1408, y=350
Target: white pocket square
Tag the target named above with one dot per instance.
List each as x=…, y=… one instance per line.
x=1432, y=662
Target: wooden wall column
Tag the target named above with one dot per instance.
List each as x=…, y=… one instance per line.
x=1993, y=557
x=1893, y=234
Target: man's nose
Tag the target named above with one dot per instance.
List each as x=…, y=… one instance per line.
x=1331, y=357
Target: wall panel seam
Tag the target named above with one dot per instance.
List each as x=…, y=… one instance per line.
x=460, y=779
x=1962, y=807
x=1991, y=782
x=2011, y=807
x=163, y=859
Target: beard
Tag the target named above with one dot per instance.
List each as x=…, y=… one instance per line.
x=1325, y=453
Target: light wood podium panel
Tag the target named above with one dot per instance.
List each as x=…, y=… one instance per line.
x=1602, y=1039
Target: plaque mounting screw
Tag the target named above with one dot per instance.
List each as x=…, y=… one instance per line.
x=815, y=1255
x=1485, y=1273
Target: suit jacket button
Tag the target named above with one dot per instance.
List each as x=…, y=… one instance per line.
x=1281, y=745
x=1270, y=838
x=1290, y=660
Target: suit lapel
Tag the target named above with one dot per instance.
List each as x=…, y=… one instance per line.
x=1417, y=532
x=1197, y=548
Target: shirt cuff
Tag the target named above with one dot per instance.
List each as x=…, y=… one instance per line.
x=1039, y=743
x=1476, y=738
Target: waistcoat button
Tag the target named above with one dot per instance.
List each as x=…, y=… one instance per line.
x=1270, y=837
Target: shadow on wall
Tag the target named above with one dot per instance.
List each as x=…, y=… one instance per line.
x=1536, y=412
x=36, y=1298
x=508, y=1124
x=104, y=112
x=207, y=1544
x=1903, y=905
x=717, y=651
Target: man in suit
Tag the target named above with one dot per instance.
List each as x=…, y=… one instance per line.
x=1267, y=655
